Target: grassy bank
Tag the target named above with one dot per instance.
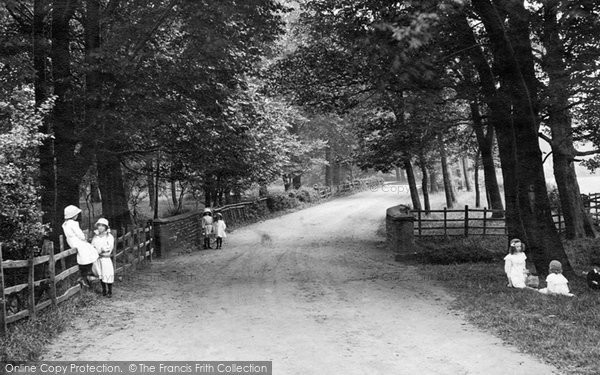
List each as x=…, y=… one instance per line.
x=26, y=340
x=561, y=330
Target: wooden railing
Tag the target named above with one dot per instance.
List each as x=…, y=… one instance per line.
x=356, y=185
x=593, y=203
x=466, y=222
x=135, y=246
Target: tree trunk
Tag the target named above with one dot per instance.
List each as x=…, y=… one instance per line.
x=263, y=190
x=498, y=104
x=287, y=181
x=425, y=184
x=336, y=174
x=95, y=192
x=542, y=239
x=434, y=186
x=70, y=165
x=465, y=169
x=297, y=181
x=578, y=224
x=412, y=184
x=328, y=174
x=47, y=166
x=486, y=142
x=173, y=192
x=477, y=192
x=114, y=201
x=150, y=181
x=446, y=176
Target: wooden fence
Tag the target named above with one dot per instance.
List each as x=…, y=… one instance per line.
x=133, y=247
x=356, y=185
x=469, y=222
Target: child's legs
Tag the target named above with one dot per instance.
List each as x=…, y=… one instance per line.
x=85, y=270
x=219, y=241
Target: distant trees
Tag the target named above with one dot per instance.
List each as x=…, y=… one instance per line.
x=372, y=57
x=142, y=84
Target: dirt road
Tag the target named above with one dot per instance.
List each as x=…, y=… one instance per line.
x=314, y=291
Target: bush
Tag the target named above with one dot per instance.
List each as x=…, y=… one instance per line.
x=307, y=195
x=466, y=250
x=257, y=210
x=281, y=201
x=21, y=226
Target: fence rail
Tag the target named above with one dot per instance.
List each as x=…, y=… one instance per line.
x=467, y=222
x=327, y=191
x=135, y=246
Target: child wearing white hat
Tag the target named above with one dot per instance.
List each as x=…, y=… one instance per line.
x=86, y=253
x=207, y=227
x=104, y=243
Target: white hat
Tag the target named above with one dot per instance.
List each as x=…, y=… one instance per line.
x=102, y=221
x=71, y=211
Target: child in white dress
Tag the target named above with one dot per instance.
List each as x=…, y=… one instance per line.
x=556, y=282
x=514, y=264
x=86, y=254
x=220, y=226
x=104, y=243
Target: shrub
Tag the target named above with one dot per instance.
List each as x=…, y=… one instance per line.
x=21, y=226
x=308, y=195
x=281, y=201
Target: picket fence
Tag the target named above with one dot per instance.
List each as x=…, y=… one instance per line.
x=135, y=246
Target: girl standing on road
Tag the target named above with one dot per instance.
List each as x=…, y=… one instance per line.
x=104, y=243
x=86, y=253
x=207, y=227
x=514, y=264
x=220, y=230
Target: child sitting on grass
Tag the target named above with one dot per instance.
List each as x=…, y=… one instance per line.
x=557, y=283
x=514, y=264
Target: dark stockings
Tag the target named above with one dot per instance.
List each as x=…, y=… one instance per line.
x=104, y=285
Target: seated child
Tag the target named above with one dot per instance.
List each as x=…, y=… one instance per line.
x=557, y=283
x=86, y=253
x=514, y=264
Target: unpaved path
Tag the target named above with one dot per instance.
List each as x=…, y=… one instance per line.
x=314, y=291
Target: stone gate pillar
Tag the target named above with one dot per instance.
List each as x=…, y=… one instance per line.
x=399, y=229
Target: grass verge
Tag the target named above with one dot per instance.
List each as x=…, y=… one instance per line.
x=562, y=331
x=26, y=340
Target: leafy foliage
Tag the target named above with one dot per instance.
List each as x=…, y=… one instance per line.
x=20, y=215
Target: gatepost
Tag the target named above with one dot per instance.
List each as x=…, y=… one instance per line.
x=399, y=229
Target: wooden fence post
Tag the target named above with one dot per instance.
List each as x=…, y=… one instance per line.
x=151, y=234
x=139, y=243
x=484, y=219
x=31, y=282
x=61, y=244
x=113, y=255
x=2, y=299
x=466, y=221
x=419, y=219
x=51, y=270
x=445, y=221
